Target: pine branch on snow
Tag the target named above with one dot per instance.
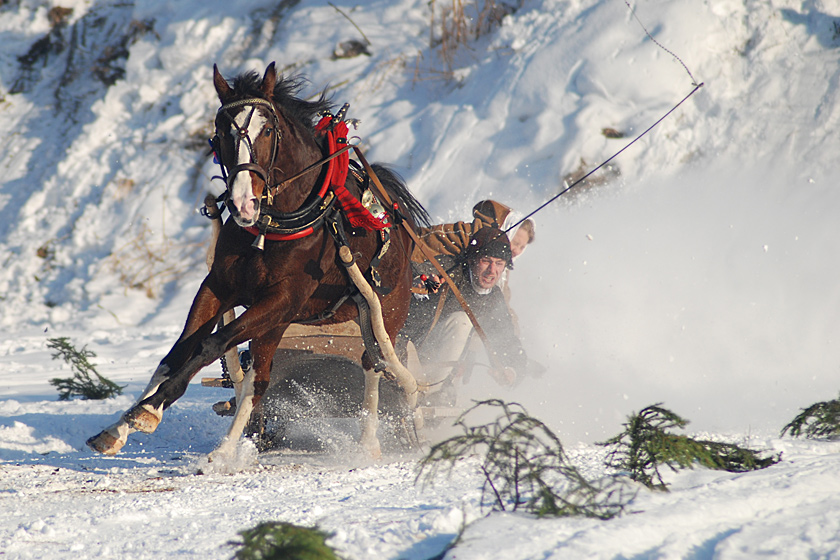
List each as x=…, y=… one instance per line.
x=646, y=445
x=81, y=384
x=820, y=420
x=524, y=466
x=284, y=541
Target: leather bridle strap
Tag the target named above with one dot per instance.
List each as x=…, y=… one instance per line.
x=264, y=173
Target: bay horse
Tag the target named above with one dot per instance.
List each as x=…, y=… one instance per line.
x=292, y=205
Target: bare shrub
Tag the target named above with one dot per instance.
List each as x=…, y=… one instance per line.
x=148, y=262
x=453, y=24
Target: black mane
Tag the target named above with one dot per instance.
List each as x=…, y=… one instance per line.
x=286, y=89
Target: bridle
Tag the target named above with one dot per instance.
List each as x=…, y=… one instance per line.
x=274, y=225
x=328, y=205
x=243, y=137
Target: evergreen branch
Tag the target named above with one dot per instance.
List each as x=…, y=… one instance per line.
x=820, y=420
x=645, y=446
x=524, y=466
x=81, y=384
x=273, y=539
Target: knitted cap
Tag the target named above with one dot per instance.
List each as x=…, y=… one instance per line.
x=489, y=242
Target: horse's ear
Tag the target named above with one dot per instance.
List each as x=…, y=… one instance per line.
x=269, y=80
x=222, y=88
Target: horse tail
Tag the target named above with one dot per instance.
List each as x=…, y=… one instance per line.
x=396, y=187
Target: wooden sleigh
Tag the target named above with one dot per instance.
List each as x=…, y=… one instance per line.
x=316, y=379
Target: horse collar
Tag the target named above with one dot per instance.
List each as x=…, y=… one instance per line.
x=274, y=229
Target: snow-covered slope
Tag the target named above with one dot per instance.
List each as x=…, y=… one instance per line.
x=702, y=275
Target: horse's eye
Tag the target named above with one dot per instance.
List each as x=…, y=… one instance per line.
x=268, y=131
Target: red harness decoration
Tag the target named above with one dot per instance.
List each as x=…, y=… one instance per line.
x=255, y=231
x=357, y=214
x=336, y=177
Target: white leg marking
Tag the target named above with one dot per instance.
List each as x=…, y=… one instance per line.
x=244, y=407
x=154, y=384
x=370, y=414
x=110, y=440
x=158, y=377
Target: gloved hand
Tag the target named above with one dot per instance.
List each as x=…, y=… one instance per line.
x=506, y=377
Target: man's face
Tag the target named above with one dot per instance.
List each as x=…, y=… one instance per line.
x=519, y=242
x=487, y=271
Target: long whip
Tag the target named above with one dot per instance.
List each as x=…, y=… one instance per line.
x=605, y=162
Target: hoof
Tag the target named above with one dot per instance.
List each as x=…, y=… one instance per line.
x=225, y=408
x=224, y=452
x=105, y=443
x=372, y=449
x=142, y=418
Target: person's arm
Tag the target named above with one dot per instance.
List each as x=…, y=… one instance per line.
x=444, y=239
x=501, y=332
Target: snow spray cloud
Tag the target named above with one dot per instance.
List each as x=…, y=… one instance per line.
x=710, y=291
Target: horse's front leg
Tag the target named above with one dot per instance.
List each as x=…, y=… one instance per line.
x=250, y=392
x=169, y=380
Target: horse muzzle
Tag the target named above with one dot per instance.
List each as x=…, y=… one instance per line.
x=244, y=201
x=245, y=213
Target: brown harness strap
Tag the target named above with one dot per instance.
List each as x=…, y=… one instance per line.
x=431, y=258
x=439, y=309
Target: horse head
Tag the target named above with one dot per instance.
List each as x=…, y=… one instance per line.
x=251, y=126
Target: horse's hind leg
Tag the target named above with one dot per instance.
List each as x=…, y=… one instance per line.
x=244, y=407
x=370, y=413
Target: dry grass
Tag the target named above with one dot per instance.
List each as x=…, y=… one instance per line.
x=123, y=187
x=149, y=261
x=603, y=176
x=453, y=24
x=382, y=72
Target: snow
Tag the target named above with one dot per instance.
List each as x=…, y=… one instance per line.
x=703, y=276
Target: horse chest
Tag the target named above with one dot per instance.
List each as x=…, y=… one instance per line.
x=250, y=273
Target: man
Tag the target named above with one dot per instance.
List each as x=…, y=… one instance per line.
x=441, y=330
x=452, y=239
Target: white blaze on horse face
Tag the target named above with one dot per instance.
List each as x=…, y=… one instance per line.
x=242, y=191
